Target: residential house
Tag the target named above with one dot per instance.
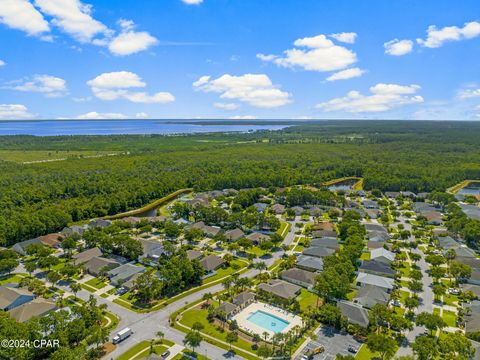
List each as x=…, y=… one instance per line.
x=211, y=262
x=472, y=317
x=209, y=231
x=370, y=279
x=324, y=233
x=420, y=207
x=382, y=255
x=74, y=229
x=376, y=244
x=227, y=308
x=20, y=247
x=36, y=307
x=234, y=235
x=380, y=236
x=86, y=255
x=310, y=263
x=318, y=251
x=299, y=277
x=329, y=242
x=298, y=210
x=354, y=313
x=194, y=254
x=370, y=204
x=152, y=251
x=101, y=223
x=280, y=289
x=433, y=217
x=472, y=211
x=123, y=273
x=52, y=240
x=370, y=295
x=372, y=213
x=376, y=267
x=257, y=237
x=243, y=299
x=96, y=266
x=11, y=297
x=261, y=207
x=392, y=194
x=278, y=209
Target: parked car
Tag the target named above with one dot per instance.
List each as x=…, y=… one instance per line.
x=352, y=349
x=165, y=354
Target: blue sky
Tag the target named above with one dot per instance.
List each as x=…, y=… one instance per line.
x=269, y=59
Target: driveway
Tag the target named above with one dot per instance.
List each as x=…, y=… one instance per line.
x=334, y=343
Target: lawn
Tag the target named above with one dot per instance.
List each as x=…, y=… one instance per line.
x=13, y=278
x=225, y=271
x=450, y=299
x=351, y=295
x=88, y=287
x=143, y=347
x=308, y=299
x=189, y=356
x=256, y=251
x=365, y=354
x=450, y=318
x=365, y=255
x=96, y=283
x=197, y=314
x=404, y=295
x=284, y=228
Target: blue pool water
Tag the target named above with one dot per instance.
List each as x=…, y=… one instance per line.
x=268, y=321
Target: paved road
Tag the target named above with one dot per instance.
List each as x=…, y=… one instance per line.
x=145, y=326
x=426, y=297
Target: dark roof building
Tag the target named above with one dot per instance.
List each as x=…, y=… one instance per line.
x=310, y=263
x=299, y=277
x=370, y=295
x=211, y=262
x=281, y=289
x=234, y=235
x=355, y=313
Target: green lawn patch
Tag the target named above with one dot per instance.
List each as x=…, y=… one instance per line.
x=307, y=299
x=450, y=318
x=284, y=228
x=351, y=295
x=96, y=283
x=143, y=350
x=13, y=278
x=365, y=255
x=88, y=288
x=365, y=354
x=225, y=271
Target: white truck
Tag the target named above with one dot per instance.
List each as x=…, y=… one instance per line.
x=122, y=335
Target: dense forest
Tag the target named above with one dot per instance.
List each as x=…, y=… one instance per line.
x=38, y=198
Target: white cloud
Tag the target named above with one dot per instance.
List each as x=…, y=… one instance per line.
x=129, y=41
x=437, y=37
x=243, y=117
x=74, y=18
x=468, y=93
x=398, y=47
x=192, y=2
x=141, y=115
x=345, y=37
x=316, y=53
x=2, y=63
x=254, y=89
x=384, y=97
x=226, y=106
x=22, y=15
x=93, y=115
x=116, y=85
x=14, y=112
x=346, y=74
x=48, y=85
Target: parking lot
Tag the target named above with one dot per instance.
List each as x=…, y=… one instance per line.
x=333, y=342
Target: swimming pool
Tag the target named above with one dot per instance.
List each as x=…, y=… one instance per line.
x=268, y=321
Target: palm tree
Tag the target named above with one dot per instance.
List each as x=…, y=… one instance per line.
x=207, y=297
x=75, y=287
x=227, y=283
x=160, y=335
x=265, y=335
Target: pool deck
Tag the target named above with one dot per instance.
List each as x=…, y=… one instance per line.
x=250, y=327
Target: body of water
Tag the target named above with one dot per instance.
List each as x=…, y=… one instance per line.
x=268, y=321
x=110, y=127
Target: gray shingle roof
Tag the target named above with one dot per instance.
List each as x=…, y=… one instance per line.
x=370, y=279
x=310, y=262
x=298, y=275
x=355, y=313
x=281, y=288
x=369, y=295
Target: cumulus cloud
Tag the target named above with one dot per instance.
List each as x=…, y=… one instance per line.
x=22, y=15
x=93, y=115
x=226, y=106
x=345, y=37
x=253, y=89
x=383, y=97
x=437, y=37
x=243, y=117
x=2, y=63
x=14, y=112
x=141, y=115
x=468, y=93
x=398, y=47
x=130, y=41
x=346, y=74
x=48, y=85
x=317, y=53
x=192, y=2
x=117, y=85
x=74, y=18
